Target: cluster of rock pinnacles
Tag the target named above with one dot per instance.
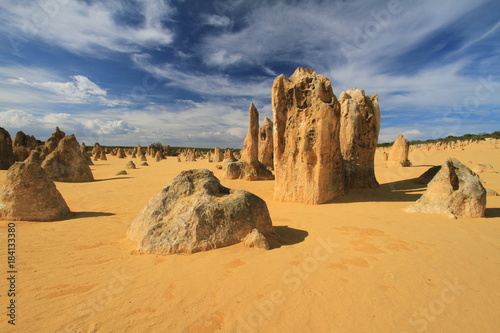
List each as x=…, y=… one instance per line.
x=316, y=149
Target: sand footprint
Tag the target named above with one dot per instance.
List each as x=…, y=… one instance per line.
x=344, y=264
x=233, y=264
x=210, y=324
x=169, y=293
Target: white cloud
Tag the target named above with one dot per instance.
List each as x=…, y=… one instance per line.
x=315, y=32
x=87, y=27
x=318, y=33
x=89, y=127
x=215, y=85
x=223, y=59
x=110, y=127
x=217, y=21
x=188, y=123
x=80, y=90
x=412, y=133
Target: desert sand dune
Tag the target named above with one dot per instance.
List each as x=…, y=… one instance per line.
x=359, y=264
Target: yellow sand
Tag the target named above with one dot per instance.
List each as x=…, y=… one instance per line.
x=357, y=265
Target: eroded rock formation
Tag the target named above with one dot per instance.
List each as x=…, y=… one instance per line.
x=359, y=129
x=249, y=167
x=455, y=190
x=29, y=195
x=194, y=212
x=266, y=149
x=308, y=163
x=53, y=141
x=398, y=156
x=6, y=153
x=23, y=145
x=66, y=163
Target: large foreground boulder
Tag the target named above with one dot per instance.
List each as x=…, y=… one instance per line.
x=67, y=163
x=455, y=190
x=194, y=212
x=308, y=163
x=29, y=195
x=359, y=129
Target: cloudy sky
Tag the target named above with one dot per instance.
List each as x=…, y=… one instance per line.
x=183, y=72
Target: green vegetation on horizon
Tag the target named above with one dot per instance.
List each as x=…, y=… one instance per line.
x=451, y=138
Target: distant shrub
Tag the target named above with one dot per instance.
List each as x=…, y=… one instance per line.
x=451, y=138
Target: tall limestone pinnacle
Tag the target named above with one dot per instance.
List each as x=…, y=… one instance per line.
x=249, y=167
x=307, y=158
x=250, y=151
x=266, y=143
x=359, y=129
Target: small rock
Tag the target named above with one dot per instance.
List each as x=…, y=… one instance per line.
x=130, y=165
x=483, y=168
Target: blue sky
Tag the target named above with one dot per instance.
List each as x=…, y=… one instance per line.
x=183, y=72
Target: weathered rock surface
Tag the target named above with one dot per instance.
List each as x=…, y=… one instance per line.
x=398, y=156
x=455, y=190
x=308, y=163
x=247, y=171
x=159, y=156
x=266, y=148
x=121, y=153
x=359, y=129
x=22, y=145
x=250, y=151
x=121, y=172
x=6, y=153
x=194, y=212
x=491, y=193
x=28, y=194
x=97, y=149
x=66, y=163
x=103, y=156
x=130, y=165
x=249, y=167
x=218, y=155
x=229, y=156
x=54, y=139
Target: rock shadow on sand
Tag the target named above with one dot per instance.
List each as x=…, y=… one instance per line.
x=112, y=178
x=81, y=215
x=492, y=212
x=287, y=236
x=399, y=191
